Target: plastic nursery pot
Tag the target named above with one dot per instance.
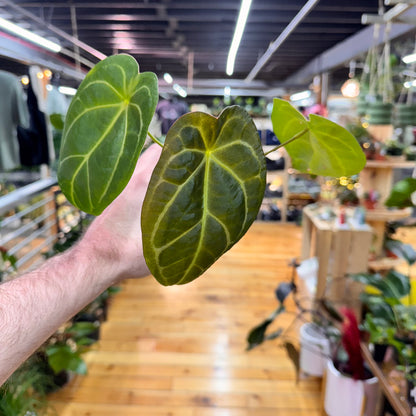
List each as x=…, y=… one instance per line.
x=345, y=396
x=405, y=115
x=380, y=113
x=314, y=350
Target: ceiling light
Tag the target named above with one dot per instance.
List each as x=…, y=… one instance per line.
x=67, y=90
x=409, y=59
x=350, y=88
x=30, y=36
x=300, y=95
x=227, y=91
x=181, y=91
x=238, y=33
x=168, y=78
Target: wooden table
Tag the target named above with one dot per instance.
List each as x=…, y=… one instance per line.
x=340, y=249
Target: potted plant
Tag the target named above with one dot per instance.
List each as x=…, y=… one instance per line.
x=7, y=263
x=24, y=393
x=316, y=332
x=61, y=355
x=331, y=346
x=393, y=150
x=350, y=388
x=370, y=199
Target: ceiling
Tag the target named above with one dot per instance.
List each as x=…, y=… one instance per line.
x=190, y=39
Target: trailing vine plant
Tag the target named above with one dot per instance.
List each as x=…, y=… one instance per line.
x=209, y=182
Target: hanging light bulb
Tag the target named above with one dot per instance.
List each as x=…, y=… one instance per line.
x=350, y=88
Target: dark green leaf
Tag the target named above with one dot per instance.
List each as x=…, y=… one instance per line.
x=57, y=121
x=257, y=335
x=283, y=290
x=81, y=329
x=401, y=193
x=325, y=148
x=204, y=193
x=63, y=358
x=294, y=356
x=394, y=285
x=401, y=250
x=104, y=132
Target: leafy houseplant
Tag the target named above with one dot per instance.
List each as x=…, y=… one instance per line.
x=61, y=355
x=320, y=325
x=209, y=183
x=7, y=262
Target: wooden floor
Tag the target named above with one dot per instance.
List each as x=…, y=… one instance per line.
x=180, y=351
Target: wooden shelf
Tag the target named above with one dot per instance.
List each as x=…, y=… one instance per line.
x=382, y=214
x=390, y=164
x=384, y=264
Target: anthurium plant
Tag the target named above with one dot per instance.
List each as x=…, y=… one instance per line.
x=208, y=185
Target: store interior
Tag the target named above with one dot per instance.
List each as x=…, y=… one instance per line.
x=311, y=309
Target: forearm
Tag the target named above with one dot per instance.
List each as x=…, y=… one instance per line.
x=34, y=305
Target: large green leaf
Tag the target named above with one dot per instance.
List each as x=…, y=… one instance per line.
x=204, y=193
x=104, y=132
x=394, y=285
x=401, y=194
x=401, y=250
x=324, y=148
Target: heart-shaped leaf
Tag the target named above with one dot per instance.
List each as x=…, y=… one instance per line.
x=204, y=193
x=401, y=194
x=322, y=148
x=104, y=132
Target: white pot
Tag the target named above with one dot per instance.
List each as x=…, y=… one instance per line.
x=345, y=396
x=314, y=350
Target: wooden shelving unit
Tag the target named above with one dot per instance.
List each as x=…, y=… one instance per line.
x=379, y=176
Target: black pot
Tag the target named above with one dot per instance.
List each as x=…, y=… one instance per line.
x=379, y=352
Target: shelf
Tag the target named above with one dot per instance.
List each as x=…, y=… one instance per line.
x=383, y=264
x=390, y=164
x=382, y=214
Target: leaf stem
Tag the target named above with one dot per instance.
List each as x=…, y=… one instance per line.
x=296, y=136
x=154, y=139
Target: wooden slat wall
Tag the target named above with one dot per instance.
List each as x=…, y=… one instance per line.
x=180, y=351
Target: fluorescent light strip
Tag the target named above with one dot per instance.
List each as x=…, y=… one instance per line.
x=30, y=36
x=181, y=91
x=168, y=78
x=238, y=34
x=67, y=90
x=409, y=59
x=300, y=95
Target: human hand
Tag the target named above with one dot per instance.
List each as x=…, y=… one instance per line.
x=115, y=235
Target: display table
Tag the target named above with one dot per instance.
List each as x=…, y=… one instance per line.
x=339, y=248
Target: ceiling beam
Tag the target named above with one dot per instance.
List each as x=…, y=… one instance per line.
x=28, y=54
x=350, y=48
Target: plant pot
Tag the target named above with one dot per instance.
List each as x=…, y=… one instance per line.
x=380, y=113
x=345, y=396
x=314, y=350
x=379, y=352
x=405, y=115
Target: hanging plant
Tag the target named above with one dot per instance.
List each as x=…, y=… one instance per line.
x=208, y=185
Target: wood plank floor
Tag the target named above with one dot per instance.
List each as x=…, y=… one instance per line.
x=180, y=351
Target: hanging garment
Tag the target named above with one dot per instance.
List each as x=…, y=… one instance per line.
x=13, y=112
x=35, y=142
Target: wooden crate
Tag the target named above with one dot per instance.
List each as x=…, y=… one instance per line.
x=340, y=251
